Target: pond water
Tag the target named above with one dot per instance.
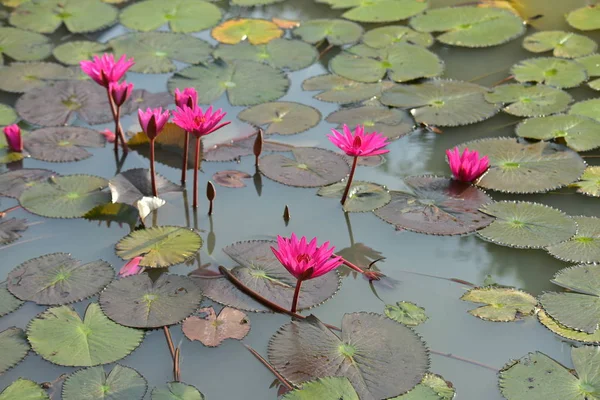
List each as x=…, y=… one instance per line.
x=417, y=264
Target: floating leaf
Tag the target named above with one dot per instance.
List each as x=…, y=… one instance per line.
x=246, y=82
x=328, y=388
x=130, y=186
x=388, y=122
x=181, y=15
x=161, y=246
x=24, y=389
x=62, y=144
x=551, y=71
x=58, y=278
x=231, y=178
x=436, y=206
x=503, y=304
x=14, y=348
x=406, y=313
x=362, y=197
x=337, y=32
x=79, y=16
x=71, y=53
x=567, y=333
x=7, y=115
x=240, y=147
x=388, y=35
x=378, y=10
x=139, y=302
x=432, y=387
x=95, y=340
x=587, y=108
x=11, y=229
x=23, y=45
x=311, y=167
x=530, y=101
x=22, y=77
x=142, y=99
x=442, y=102
x=590, y=182
x=176, y=391
x=211, y=331
x=378, y=369
x=65, y=196
x=592, y=66
x=154, y=52
x=528, y=225
x=584, y=247
x=518, y=166
x=278, y=53
x=114, y=212
x=585, y=18
x=256, y=31
x=13, y=183
x=8, y=302
x=122, y=383
x=250, y=3
x=401, y=62
x=562, y=44
x=282, y=117
x=580, y=133
x=336, y=89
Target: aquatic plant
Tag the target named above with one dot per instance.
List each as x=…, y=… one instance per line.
x=152, y=122
x=467, y=166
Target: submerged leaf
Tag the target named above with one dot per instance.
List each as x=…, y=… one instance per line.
x=551, y=71
x=406, y=313
x=176, y=391
x=282, y=117
x=378, y=10
x=114, y=212
x=11, y=229
x=580, y=133
x=563, y=44
x=503, y=304
x=256, y=31
x=337, y=32
x=13, y=343
x=211, y=331
x=589, y=183
x=231, y=178
x=328, y=388
x=362, y=197
x=584, y=247
x=336, y=89
x=132, y=185
x=530, y=101
x=122, y=383
x=181, y=15
x=62, y=144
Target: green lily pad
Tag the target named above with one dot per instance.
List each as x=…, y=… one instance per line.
x=389, y=122
x=567, y=333
x=79, y=16
x=22, y=77
x=8, y=302
x=246, y=83
x=589, y=183
x=585, y=18
x=562, y=44
x=176, y=391
x=436, y=206
x=282, y=117
x=362, y=197
x=329, y=388
x=182, y=15
x=114, y=212
x=310, y=167
x=23, y=45
x=406, y=313
x=336, y=89
x=250, y=3
x=502, y=304
x=62, y=144
x=378, y=10
x=378, y=369
x=588, y=108
x=71, y=53
x=139, y=302
x=278, y=53
x=470, y=26
x=527, y=225
x=256, y=31
x=161, y=246
x=401, y=62
x=14, y=348
x=442, y=102
x=24, y=389
x=584, y=247
x=518, y=166
x=122, y=383
x=592, y=66
x=530, y=101
x=60, y=336
x=580, y=133
x=433, y=387
x=551, y=71
x=65, y=196
x=130, y=186
x=154, y=52
x=337, y=32
x=13, y=183
x=388, y=35
x=11, y=229
x=7, y=115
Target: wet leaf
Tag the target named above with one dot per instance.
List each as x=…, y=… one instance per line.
x=71, y=53
x=551, y=71
x=567, y=333
x=14, y=348
x=584, y=247
x=336, y=89
x=530, y=101
x=256, y=31
x=406, y=313
x=389, y=122
x=562, y=44
x=25, y=76
x=176, y=391
x=436, y=206
x=22, y=45
x=62, y=144
x=282, y=117
x=337, y=32
x=580, y=133
x=8, y=302
x=358, y=254
x=250, y=3
x=328, y=388
x=587, y=108
x=240, y=147
x=589, y=183
x=60, y=336
x=11, y=229
x=388, y=35
x=181, y=15
x=362, y=197
x=592, y=66
x=7, y=115
x=24, y=389
x=378, y=369
x=114, y=212
x=231, y=178
x=585, y=18
x=212, y=330
x=527, y=225
x=130, y=186
x=122, y=383
x=502, y=304
x=432, y=387
x=378, y=10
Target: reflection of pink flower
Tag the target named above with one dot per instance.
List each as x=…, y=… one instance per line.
x=468, y=166
x=104, y=70
x=197, y=122
x=359, y=143
x=109, y=135
x=189, y=97
x=13, y=137
x=120, y=92
x=153, y=121
x=132, y=267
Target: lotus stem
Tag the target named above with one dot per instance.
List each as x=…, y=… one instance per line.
x=117, y=119
x=196, y=167
x=450, y=355
x=176, y=366
x=169, y=341
x=152, y=172
x=186, y=145
x=280, y=377
x=3, y=213
x=371, y=275
x=347, y=190
x=118, y=127
x=210, y=195
x=503, y=81
x=296, y=295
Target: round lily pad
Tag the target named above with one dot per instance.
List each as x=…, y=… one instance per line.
x=11, y=229
x=161, y=246
x=235, y=149
x=502, y=304
x=551, y=71
x=79, y=16
x=588, y=108
x=589, y=183
x=14, y=348
x=256, y=31
x=584, y=247
x=470, y=26
x=562, y=44
x=329, y=388
x=71, y=53
x=13, y=183
x=181, y=15
x=432, y=387
x=388, y=122
x=212, y=330
x=436, y=206
x=8, y=302
x=401, y=62
x=378, y=10
x=7, y=115
x=62, y=144
x=527, y=225
x=567, y=333
x=585, y=18
x=246, y=82
x=24, y=389
x=530, y=101
x=154, y=52
x=122, y=383
x=442, y=102
x=310, y=167
x=580, y=133
x=388, y=35
x=176, y=391
x=8, y=156
x=378, y=369
x=139, y=302
x=336, y=89
x=592, y=66
x=60, y=336
x=58, y=278
x=518, y=166
x=22, y=77
x=250, y=3
x=282, y=117
x=362, y=197
x=130, y=186
x=23, y=45
x=337, y=32
x=406, y=313
x=65, y=196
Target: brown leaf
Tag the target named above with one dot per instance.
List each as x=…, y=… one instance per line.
x=212, y=330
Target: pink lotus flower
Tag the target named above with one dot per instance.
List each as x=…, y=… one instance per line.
x=109, y=135
x=189, y=97
x=132, y=267
x=198, y=123
x=13, y=137
x=468, y=166
x=120, y=92
x=105, y=69
x=153, y=121
x=359, y=143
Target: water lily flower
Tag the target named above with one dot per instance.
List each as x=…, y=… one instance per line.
x=120, y=92
x=305, y=260
x=12, y=133
x=152, y=122
x=132, y=267
x=104, y=70
x=467, y=166
x=109, y=135
x=189, y=97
